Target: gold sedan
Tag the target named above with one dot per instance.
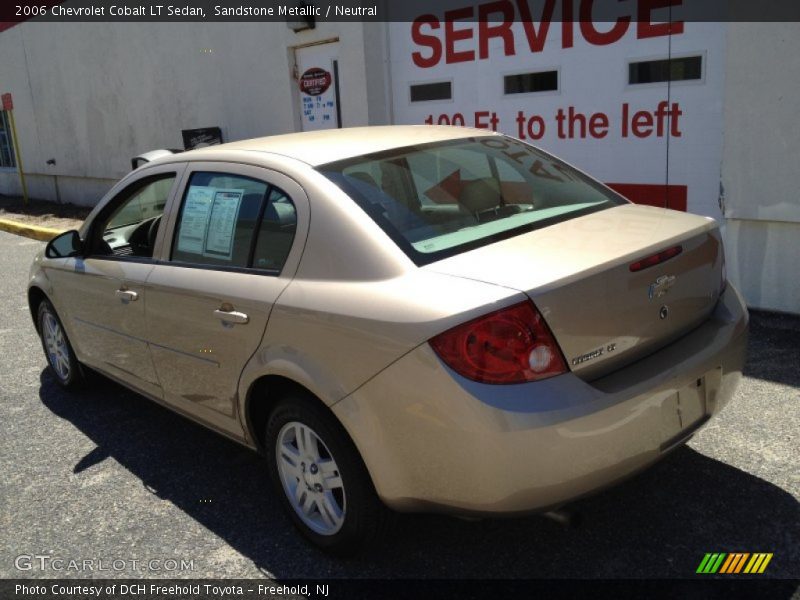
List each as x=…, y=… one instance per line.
x=419, y=318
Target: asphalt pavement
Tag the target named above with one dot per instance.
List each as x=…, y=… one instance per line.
x=108, y=475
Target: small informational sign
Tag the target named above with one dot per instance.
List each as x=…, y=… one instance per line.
x=194, y=219
x=221, y=225
x=200, y=138
x=318, y=85
x=208, y=221
x=315, y=81
x=318, y=113
x=8, y=102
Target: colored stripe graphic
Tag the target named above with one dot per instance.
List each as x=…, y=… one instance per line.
x=765, y=563
x=703, y=563
x=741, y=562
x=716, y=565
x=711, y=562
x=728, y=561
x=734, y=563
x=753, y=564
x=758, y=563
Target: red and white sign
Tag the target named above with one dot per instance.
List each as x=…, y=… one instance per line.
x=315, y=81
x=656, y=143
x=459, y=37
x=8, y=103
x=319, y=105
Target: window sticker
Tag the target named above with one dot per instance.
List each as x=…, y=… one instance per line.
x=208, y=221
x=224, y=212
x=194, y=220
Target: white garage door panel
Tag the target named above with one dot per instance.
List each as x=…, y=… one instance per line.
x=592, y=79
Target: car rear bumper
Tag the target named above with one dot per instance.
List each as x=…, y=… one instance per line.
x=438, y=442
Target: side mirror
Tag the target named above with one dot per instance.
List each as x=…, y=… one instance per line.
x=65, y=245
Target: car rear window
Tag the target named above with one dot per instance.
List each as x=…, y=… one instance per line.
x=440, y=199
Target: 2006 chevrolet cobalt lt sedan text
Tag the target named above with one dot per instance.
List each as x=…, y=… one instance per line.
x=424, y=318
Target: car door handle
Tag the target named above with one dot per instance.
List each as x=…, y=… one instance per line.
x=126, y=295
x=232, y=316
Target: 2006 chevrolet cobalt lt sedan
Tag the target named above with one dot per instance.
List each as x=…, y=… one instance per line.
x=424, y=318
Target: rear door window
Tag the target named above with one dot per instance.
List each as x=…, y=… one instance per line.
x=276, y=234
x=233, y=221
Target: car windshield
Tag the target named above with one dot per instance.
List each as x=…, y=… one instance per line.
x=436, y=200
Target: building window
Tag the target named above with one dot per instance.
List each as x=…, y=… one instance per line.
x=440, y=90
x=525, y=83
x=6, y=145
x=667, y=69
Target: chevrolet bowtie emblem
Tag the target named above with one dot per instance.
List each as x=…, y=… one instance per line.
x=661, y=286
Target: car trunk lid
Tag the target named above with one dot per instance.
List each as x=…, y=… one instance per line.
x=578, y=272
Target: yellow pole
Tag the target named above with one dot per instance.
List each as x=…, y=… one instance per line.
x=18, y=157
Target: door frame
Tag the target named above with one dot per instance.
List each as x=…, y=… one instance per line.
x=233, y=426
x=77, y=267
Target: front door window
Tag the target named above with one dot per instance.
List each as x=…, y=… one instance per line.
x=132, y=223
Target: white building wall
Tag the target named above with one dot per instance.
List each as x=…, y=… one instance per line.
x=92, y=96
x=761, y=158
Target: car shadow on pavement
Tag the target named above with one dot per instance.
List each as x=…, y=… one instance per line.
x=658, y=524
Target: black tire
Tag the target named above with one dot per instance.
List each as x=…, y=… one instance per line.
x=75, y=377
x=365, y=518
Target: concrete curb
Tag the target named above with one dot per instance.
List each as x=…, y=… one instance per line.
x=44, y=234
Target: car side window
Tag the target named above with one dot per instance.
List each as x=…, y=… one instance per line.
x=276, y=233
x=131, y=222
x=227, y=220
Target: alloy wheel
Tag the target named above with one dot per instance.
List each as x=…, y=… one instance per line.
x=311, y=478
x=55, y=343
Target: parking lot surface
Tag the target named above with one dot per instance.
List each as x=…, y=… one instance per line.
x=108, y=475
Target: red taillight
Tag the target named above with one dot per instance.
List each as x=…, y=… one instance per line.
x=655, y=259
x=512, y=345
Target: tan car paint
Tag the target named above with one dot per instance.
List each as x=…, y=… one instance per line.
x=107, y=330
x=358, y=303
x=329, y=145
x=434, y=443
x=577, y=273
x=86, y=293
x=199, y=356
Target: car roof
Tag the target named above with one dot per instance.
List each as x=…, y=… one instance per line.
x=329, y=145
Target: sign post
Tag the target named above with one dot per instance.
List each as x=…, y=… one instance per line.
x=8, y=106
